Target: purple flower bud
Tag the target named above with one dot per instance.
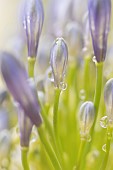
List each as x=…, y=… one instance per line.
x=99, y=21
x=33, y=22
x=25, y=127
x=58, y=60
x=15, y=77
x=86, y=117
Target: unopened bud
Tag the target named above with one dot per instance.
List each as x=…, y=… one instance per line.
x=58, y=60
x=86, y=118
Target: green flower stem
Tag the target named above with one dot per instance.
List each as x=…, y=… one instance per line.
x=86, y=76
x=31, y=63
x=50, y=131
x=24, y=153
x=49, y=149
x=97, y=96
x=105, y=160
x=47, y=122
x=55, y=116
x=80, y=154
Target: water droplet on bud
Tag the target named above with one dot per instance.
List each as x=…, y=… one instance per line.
x=104, y=147
x=63, y=86
x=88, y=138
x=104, y=122
x=34, y=135
x=94, y=59
x=82, y=94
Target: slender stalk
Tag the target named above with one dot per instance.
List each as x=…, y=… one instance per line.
x=49, y=149
x=31, y=63
x=97, y=96
x=24, y=153
x=47, y=122
x=55, y=113
x=80, y=154
x=47, y=145
x=51, y=132
x=86, y=76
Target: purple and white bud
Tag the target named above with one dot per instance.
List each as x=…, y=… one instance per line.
x=86, y=118
x=58, y=61
x=33, y=23
x=99, y=22
x=15, y=77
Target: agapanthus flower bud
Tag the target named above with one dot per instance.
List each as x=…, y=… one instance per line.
x=108, y=98
x=99, y=22
x=58, y=61
x=25, y=127
x=15, y=77
x=33, y=22
x=86, y=118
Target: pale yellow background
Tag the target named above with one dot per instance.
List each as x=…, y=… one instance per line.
x=9, y=20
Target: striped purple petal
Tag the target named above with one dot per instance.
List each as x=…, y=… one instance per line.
x=15, y=77
x=99, y=22
x=33, y=22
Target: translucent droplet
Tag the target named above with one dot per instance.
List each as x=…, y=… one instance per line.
x=94, y=59
x=63, y=86
x=88, y=138
x=104, y=122
x=82, y=94
x=34, y=136
x=104, y=147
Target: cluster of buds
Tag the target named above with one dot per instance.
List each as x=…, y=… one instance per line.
x=15, y=77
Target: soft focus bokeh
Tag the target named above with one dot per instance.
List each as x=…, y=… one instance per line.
x=67, y=19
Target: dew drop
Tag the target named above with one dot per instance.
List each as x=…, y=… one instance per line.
x=82, y=94
x=88, y=138
x=63, y=86
x=104, y=147
x=34, y=136
x=94, y=59
x=104, y=122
